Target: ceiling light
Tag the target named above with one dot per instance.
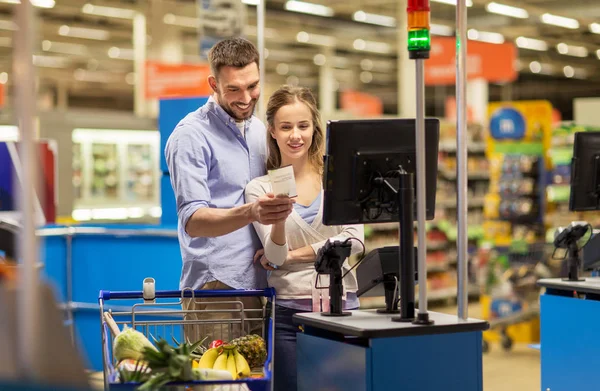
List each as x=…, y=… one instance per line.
x=8, y=25
x=570, y=50
x=36, y=3
x=359, y=44
x=507, y=10
x=130, y=78
x=371, y=46
x=82, y=32
x=569, y=71
x=308, y=8
x=535, y=67
x=64, y=48
x=50, y=61
x=440, y=29
x=96, y=76
x=110, y=12
x=379, y=20
x=366, y=77
x=531, y=44
x=452, y=2
x=319, y=59
x=302, y=36
x=250, y=2
x=282, y=69
x=598, y=54
x=183, y=21
x=3, y=78
x=315, y=39
x=560, y=21
x=485, y=36
x=120, y=53
x=595, y=28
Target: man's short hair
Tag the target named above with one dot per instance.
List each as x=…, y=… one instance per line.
x=233, y=52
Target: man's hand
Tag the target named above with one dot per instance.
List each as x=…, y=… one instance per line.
x=260, y=255
x=270, y=209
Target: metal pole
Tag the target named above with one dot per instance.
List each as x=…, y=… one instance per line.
x=421, y=191
x=260, y=37
x=139, y=62
x=27, y=302
x=461, y=157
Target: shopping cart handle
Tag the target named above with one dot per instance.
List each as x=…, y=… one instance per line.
x=108, y=295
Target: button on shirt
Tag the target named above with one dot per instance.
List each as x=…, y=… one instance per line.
x=210, y=162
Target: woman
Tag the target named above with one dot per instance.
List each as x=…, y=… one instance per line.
x=295, y=137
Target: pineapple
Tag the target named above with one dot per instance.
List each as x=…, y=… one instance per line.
x=253, y=348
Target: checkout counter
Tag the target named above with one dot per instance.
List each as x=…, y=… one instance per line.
x=570, y=307
x=397, y=347
x=368, y=351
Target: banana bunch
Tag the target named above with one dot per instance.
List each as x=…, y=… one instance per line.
x=225, y=358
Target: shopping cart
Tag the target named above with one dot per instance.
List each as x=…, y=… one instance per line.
x=517, y=299
x=159, y=316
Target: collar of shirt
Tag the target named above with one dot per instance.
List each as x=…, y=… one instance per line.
x=213, y=105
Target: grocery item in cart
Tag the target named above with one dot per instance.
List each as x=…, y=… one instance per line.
x=253, y=348
x=130, y=344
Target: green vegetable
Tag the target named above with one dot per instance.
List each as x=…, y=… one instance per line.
x=130, y=343
x=169, y=364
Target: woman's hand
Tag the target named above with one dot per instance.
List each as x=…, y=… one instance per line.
x=260, y=256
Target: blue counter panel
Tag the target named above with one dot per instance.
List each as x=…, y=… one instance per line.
x=450, y=362
x=569, y=343
x=53, y=253
x=167, y=202
x=122, y=263
x=339, y=366
x=170, y=112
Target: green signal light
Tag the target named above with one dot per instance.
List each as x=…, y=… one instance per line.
x=419, y=40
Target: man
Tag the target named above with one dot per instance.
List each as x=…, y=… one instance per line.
x=212, y=154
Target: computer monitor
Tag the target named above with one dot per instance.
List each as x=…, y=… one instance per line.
x=370, y=177
x=585, y=172
x=357, y=151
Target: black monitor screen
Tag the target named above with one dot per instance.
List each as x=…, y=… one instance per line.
x=359, y=150
x=585, y=172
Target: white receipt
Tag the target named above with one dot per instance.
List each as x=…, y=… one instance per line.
x=283, y=181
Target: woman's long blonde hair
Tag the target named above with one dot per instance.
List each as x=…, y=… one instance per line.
x=287, y=95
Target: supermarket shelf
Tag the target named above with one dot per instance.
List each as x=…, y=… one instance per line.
x=558, y=193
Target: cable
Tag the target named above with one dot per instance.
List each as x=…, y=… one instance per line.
x=362, y=256
x=591, y=229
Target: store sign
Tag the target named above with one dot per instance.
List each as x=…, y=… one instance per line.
x=220, y=19
x=491, y=62
x=176, y=80
x=361, y=104
x=507, y=123
x=519, y=127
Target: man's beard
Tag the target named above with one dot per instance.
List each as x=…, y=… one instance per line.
x=229, y=109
